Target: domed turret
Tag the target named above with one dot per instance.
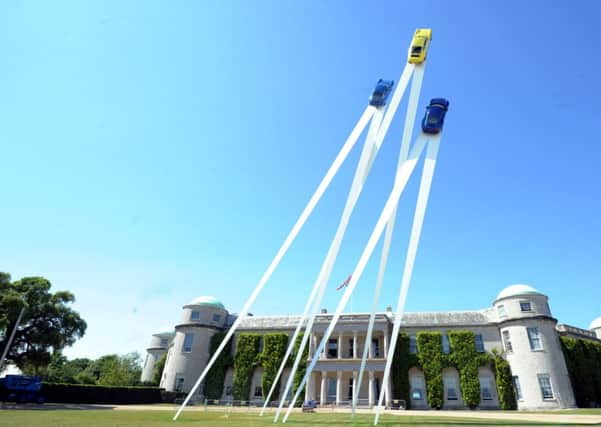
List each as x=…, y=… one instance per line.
x=531, y=347
x=596, y=327
x=159, y=343
x=201, y=318
x=519, y=301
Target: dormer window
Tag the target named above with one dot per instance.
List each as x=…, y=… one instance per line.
x=195, y=315
x=525, y=306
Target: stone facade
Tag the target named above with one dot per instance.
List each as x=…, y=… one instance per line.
x=519, y=324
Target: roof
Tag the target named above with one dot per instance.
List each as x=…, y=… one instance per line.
x=268, y=322
x=515, y=290
x=446, y=318
x=207, y=300
x=595, y=324
x=164, y=331
x=441, y=318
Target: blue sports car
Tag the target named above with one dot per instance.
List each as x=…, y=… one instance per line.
x=434, y=118
x=381, y=92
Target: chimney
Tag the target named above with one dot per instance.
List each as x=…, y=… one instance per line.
x=324, y=311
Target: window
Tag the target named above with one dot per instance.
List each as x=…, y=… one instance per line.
x=485, y=388
x=351, y=347
x=188, y=340
x=446, y=348
x=507, y=342
x=417, y=394
x=479, y=343
x=258, y=391
x=451, y=386
x=535, y=339
x=350, y=389
x=375, y=347
x=333, y=347
x=195, y=315
x=412, y=344
x=501, y=311
x=179, y=382
x=545, y=386
x=451, y=393
x=164, y=342
x=517, y=388
x=229, y=390
x=146, y=360
x=525, y=306
x=216, y=317
x=331, y=388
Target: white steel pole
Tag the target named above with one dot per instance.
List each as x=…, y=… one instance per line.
x=326, y=269
x=418, y=220
x=367, y=150
x=416, y=86
x=323, y=185
x=11, y=338
x=403, y=174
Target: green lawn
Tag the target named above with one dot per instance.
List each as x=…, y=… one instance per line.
x=125, y=418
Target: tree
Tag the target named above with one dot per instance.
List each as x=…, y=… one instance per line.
x=115, y=370
x=157, y=372
x=48, y=324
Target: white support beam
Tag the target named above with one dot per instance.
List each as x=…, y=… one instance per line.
x=418, y=220
x=323, y=185
x=402, y=177
x=323, y=277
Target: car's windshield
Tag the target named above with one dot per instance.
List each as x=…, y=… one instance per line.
x=432, y=119
x=416, y=50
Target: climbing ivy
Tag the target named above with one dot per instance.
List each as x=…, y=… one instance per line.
x=467, y=361
x=215, y=377
x=302, y=368
x=247, y=349
x=432, y=360
x=504, y=380
x=402, y=362
x=274, y=348
x=583, y=360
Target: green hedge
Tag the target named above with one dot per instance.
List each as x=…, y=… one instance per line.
x=467, y=361
x=216, y=376
x=583, y=360
x=432, y=360
x=274, y=348
x=247, y=349
x=75, y=393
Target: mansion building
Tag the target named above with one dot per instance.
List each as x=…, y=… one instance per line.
x=519, y=325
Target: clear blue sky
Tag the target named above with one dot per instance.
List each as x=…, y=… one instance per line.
x=153, y=152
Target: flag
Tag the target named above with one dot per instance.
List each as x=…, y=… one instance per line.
x=345, y=283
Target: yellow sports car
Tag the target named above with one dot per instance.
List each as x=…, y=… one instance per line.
x=419, y=45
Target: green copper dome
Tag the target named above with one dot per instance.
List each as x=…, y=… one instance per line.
x=207, y=300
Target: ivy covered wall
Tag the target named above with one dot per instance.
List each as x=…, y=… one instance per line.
x=247, y=349
x=274, y=348
x=216, y=376
x=583, y=360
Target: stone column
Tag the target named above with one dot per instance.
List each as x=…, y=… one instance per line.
x=355, y=391
x=354, y=344
x=385, y=344
x=311, y=345
x=323, y=394
x=338, y=387
x=310, y=387
x=340, y=346
x=388, y=392
x=370, y=394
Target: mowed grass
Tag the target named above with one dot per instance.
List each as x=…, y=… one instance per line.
x=127, y=418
